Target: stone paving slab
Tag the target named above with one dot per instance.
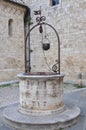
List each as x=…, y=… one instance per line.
x=9, y=94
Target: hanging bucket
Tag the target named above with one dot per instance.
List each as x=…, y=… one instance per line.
x=46, y=46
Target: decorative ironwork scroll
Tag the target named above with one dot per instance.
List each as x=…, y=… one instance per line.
x=40, y=22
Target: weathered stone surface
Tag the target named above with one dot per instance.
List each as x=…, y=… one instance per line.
x=41, y=94
x=69, y=19
x=41, y=104
x=19, y=121
x=11, y=47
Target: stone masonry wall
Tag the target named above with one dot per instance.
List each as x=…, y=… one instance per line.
x=11, y=47
x=69, y=19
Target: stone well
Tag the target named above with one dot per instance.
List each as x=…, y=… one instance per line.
x=41, y=104
x=41, y=94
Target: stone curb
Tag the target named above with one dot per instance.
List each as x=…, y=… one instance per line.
x=9, y=82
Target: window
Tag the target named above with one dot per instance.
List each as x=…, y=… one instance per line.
x=10, y=27
x=55, y=2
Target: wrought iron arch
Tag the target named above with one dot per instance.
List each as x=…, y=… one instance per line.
x=27, y=42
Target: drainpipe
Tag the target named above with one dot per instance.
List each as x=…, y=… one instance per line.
x=26, y=18
x=27, y=43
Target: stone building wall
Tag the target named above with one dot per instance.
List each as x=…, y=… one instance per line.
x=69, y=19
x=11, y=46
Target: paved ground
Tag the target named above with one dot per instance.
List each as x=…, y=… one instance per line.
x=78, y=97
x=10, y=94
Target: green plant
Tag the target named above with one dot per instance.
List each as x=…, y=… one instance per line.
x=60, y=128
x=79, y=86
x=9, y=84
x=31, y=50
x=5, y=85
x=28, y=20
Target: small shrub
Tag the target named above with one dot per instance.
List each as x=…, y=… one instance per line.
x=60, y=128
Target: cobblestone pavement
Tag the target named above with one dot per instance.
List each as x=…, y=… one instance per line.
x=10, y=95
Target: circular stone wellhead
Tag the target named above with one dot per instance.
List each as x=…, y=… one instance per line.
x=33, y=113
x=41, y=94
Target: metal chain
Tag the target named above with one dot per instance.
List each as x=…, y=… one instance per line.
x=54, y=67
x=49, y=68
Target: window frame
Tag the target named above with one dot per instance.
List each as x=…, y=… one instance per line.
x=55, y=4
